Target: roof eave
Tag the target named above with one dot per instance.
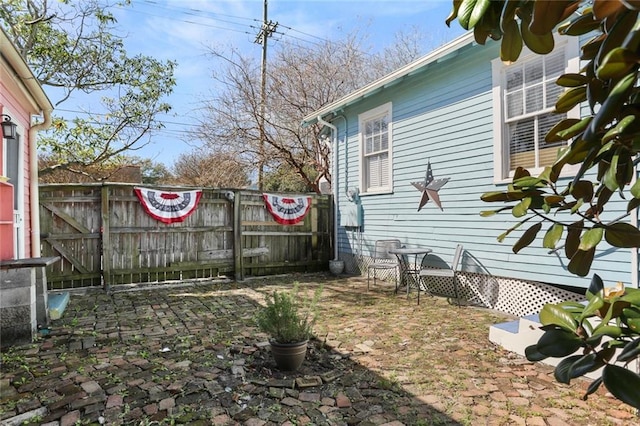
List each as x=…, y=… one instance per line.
x=389, y=79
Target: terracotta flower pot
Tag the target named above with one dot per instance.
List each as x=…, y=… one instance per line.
x=289, y=356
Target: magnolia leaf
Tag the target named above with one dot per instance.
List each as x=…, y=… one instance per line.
x=527, y=238
x=579, y=203
x=520, y=172
x=583, y=189
x=581, y=261
x=539, y=43
x=634, y=203
x=533, y=355
x=623, y=235
x=591, y=238
x=511, y=45
x=610, y=107
x=546, y=15
x=622, y=383
x=572, y=80
x=521, y=208
x=481, y=34
x=596, y=302
x=553, y=314
x=632, y=295
x=552, y=236
x=597, y=92
x=631, y=312
x=605, y=8
x=617, y=63
x=610, y=179
x=607, y=353
x=471, y=11
x=502, y=236
x=617, y=30
x=574, y=231
x=596, y=287
x=574, y=154
x=585, y=364
x=558, y=343
x=570, y=98
x=490, y=197
x=553, y=199
x=634, y=324
x=562, y=372
x=527, y=182
x=630, y=351
x=604, y=194
x=575, y=130
x=619, y=129
x=508, y=12
x=579, y=26
x=612, y=331
x=593, y=387
x=635, y=189
x=547, y=175
x=591, y=48
x=454, y=12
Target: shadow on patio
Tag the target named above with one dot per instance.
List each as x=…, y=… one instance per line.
x=191, y=354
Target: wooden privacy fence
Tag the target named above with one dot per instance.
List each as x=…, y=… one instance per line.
x=104, y=237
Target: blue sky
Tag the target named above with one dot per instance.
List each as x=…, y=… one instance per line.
x=183, y=30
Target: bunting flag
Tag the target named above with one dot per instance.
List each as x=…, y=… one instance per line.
x=168, y=207
x=287, y=210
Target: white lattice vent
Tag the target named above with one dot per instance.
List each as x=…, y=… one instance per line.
x=513, y=296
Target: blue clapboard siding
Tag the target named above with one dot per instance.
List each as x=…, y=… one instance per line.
x=443, y=114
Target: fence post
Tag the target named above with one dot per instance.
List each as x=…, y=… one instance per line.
x=238, y=259
x=105, y=237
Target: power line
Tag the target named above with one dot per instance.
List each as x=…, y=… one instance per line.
x=192, y=10
x=104, y=115
x=212, y=16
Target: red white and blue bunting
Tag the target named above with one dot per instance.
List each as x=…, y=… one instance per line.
x=168, y=207
x=287, y=209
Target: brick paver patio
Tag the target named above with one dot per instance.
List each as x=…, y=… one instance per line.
x=191, y=354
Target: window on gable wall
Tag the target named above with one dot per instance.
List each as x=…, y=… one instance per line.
x=525, y=94
x=375, y=150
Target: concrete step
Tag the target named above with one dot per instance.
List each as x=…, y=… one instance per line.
x=515, y=336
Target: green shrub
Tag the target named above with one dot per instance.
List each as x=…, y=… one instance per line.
x=289, y=317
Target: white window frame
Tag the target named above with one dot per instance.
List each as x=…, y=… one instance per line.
x=501, y=171
x=380, y=111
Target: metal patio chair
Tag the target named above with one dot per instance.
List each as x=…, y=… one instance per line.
x=382, y=259
x=449, y=272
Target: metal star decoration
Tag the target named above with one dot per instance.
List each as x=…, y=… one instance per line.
x=430, y=188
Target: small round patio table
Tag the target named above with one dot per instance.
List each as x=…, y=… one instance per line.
x=410, y=272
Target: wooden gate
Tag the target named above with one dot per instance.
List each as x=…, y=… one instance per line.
x=105, y=237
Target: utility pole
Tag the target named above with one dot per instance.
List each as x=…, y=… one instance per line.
x=267, y=29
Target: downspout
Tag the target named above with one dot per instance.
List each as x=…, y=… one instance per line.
x=34, y=191
x=334, y=182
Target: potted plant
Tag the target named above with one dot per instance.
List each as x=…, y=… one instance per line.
x=288, y=318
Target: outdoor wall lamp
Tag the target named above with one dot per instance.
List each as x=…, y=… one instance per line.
x=8, y=128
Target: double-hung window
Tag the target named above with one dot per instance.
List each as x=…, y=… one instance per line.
x=375, y=150
x=525, y=93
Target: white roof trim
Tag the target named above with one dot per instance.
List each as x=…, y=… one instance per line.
x=10, y=54
x=390, y=78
